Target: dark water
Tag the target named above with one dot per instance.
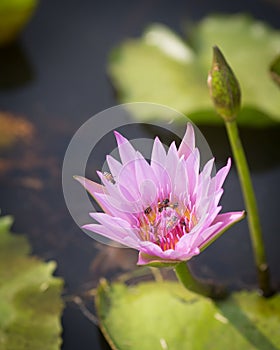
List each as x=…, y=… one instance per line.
x=55, y=76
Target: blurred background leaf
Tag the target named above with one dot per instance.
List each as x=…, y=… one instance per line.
x=30, y=302
x=167, y=316
x=14, y=14
x=161, y=68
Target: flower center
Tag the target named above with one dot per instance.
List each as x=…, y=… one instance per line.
x=165, y=223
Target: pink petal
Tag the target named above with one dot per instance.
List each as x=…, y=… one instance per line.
x=114, y=207
x=117, y=226
x=145, y=259
x=154, y=250
x=103, y=202
x=118, y=204
x=198, y=239
x=90, y=186
x=151, y=252
x=192, y=166
x=149, y=193
x=158, y=163
x=188, y=143
x=226, y=220
x=222, y=174
x=205, y=221
x=94, y=189
x=127, y=184
x=114, y=165
x=172, y=161
x=127, y=152
x=205, y=175
x=144, y=172
x=115, y=235
x=158, y=153
x=181, y=180
x=121, y=192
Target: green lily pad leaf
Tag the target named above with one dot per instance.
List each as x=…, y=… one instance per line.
x=14, y=14
x=162, y=68
x=156, y=316
x=30, y=303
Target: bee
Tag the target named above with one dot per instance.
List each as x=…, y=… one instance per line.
x=148, y=210
x=163, y=204
x=109, y=177
x=174, y=206
x=171, y=222
x=182, y=222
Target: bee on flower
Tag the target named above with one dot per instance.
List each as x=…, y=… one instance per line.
x=109, y=177
x=166, y=209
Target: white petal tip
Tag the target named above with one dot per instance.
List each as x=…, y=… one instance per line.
x=80, y=179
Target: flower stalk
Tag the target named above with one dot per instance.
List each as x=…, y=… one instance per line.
x=251, y=206
x=211, y=290
x=228, y=88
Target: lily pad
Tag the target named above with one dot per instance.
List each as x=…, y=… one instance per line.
x=161, y=68
x=30, y=303
x=156, y=316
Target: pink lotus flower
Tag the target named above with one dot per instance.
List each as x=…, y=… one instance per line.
x=168, y=209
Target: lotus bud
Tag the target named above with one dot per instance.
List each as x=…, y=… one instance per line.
x=224, y=87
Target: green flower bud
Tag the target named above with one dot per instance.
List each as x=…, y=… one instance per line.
x=275, y=70
x=224, y=87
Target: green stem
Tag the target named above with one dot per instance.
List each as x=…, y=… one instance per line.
x=251, y=206
x=189, y=282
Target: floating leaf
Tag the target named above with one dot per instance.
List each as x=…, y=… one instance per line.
x=162, y=68
x=30, y=303
x=166, y=316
